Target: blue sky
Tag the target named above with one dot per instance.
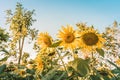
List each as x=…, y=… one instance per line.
x=52, y=14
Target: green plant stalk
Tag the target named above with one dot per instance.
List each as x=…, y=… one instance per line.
x=51, y=62
x=62, y=63
x=92, y=63
x=37, y=76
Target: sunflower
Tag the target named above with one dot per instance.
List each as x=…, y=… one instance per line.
x=22, y=72
x=44, y=40
x=68, y=37
x=117, y=62
x=90, y=39
x=39, y=63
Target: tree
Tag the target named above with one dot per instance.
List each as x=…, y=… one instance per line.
x=4, y=36
x=20, y=22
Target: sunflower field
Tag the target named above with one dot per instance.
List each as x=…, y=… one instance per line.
x=75, y=54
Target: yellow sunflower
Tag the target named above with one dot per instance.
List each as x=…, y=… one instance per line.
x=68, y=37
x=44, y=40
x=90, y=39
x=39, y=64
x=117, y=62
x=22, y=72
x=47, y=51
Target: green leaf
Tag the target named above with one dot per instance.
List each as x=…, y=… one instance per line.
x=5, y=51
x=100, y=51
x=5, y=58
x=94, y=77
x=62, y=76
x=56, y=44
x=80, y=66
x=50, y=74
x=30, y=71
x=114, y=65
x=106, y=78
x=115, y=71
x=2, y=68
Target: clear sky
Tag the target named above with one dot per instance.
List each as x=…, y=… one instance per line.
x=52, y=14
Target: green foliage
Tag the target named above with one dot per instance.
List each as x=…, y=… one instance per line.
x=94, y=77
x=50, y=74
x=100, y=51
x=2, y=68
x=12, y=76
x=3, y=35
x=114, y=65
x=80, y=66
x=54, y=74
x=56, y=44
x=116, y=70
x=4, y=59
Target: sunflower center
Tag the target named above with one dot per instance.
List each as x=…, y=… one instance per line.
x=47, y=42
x=90, y=39
x=69, y=38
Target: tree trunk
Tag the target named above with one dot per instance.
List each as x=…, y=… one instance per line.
x=20, y=49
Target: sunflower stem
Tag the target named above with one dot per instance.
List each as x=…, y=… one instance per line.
x=62, y=63
x=92, y=63
x=92, y=56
